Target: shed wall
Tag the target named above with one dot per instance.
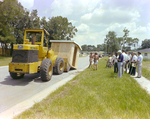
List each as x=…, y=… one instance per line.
x=146, y=57
x=65, y=50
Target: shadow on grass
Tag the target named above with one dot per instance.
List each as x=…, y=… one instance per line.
x=113, y=75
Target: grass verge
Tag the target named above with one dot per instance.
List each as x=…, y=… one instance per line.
x=94, y=94
x=146, y=68
x=4, y=60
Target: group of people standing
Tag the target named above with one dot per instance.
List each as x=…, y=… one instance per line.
x=93, y=57
x=124, y=61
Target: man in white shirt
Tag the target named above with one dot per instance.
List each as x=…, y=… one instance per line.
x=139, y=64
x=133, y=64
x=125, y=58
x=129, y=55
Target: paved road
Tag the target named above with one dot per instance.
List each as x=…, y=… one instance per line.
x=13, y=92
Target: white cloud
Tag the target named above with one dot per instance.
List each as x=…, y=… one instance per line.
x=86, y=17
x=148, y=27
x=86, y=5
x=68, y=7
x=94, y=18
x=139, y=30
x=63, y=8
x=73, y=21
x=83, y=28
x=97, y=37
x=91, y=38
x=107, y=16
x=27, y=3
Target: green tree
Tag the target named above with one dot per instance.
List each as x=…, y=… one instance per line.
x=23, y=23
x=26, y=20
x=100, y=47
x=126, y=42
x=84, y=48
x=14, y=18
x=9, y=13
x=111, y=42
x=126, y=34
x=129, y=41
x=59, y=28
x=44, y=24
x=120, y=41
x=34, y=20
x=146, y=43
x=91, y=48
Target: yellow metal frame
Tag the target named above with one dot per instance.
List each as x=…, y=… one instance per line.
x=26, y=41
x=43, y=54
x=26, y=47
x=24, y=67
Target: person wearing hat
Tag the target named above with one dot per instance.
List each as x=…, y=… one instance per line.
x=139, y=64
x=120, y=62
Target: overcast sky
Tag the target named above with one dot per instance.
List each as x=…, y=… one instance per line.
x=94, y=18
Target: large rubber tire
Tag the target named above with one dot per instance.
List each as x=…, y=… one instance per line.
x=59, y=65
x=46, y=70
x=16, y=75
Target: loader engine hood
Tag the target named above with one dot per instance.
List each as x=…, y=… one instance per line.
x=23, y=53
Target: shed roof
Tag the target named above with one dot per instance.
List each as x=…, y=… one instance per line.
x=144, y=50
x=65, y=41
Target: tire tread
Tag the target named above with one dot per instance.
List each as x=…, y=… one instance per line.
x=44, y=70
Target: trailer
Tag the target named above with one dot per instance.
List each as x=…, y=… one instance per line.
x=68, y=50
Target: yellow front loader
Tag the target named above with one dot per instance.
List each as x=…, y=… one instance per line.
x=35, y=56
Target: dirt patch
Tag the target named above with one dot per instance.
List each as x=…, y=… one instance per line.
x=74, y=82
x=63, y=92
x=77, y=72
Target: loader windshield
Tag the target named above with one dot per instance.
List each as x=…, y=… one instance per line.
x=34, y=36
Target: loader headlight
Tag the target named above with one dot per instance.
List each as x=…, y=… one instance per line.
x=20, y=46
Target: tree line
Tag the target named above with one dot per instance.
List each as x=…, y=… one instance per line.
x=99, y=47
x=145, y=44
x=14, y=18
x=112, y=43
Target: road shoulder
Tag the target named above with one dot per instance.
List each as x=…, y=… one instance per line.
x=19, y=108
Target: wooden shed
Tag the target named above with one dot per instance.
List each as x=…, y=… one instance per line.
x=68, y=50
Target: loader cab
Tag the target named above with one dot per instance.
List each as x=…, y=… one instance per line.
x=36, y=37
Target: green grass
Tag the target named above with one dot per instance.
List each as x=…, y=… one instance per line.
x=4, y=60
x=146, y=68
x=94, y=95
